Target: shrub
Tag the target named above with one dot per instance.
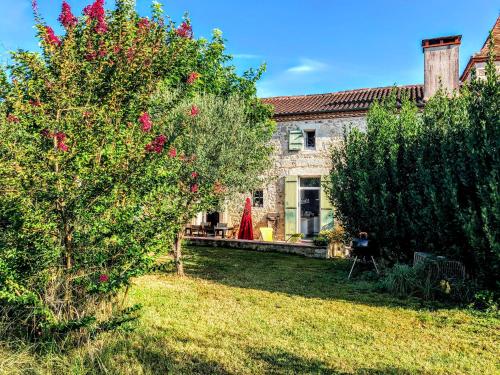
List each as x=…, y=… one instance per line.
x=92, y=184
x=427, y=180
x=424, y=281
x=321, y=239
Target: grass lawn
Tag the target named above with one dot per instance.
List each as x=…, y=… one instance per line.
x=242, y=312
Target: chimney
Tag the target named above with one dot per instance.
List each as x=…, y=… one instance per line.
x=441, y=64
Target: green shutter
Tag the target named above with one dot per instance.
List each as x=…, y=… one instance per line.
x=295, y=140
x=290, y=205
x=326, y=206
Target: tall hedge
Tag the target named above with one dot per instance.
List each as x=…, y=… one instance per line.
x=427, y=180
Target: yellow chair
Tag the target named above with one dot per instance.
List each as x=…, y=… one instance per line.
x=266, y=234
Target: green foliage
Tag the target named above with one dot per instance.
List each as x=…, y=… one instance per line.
x=96, y=175
x=321, y=239
x=487, y=301
x=423, y=281
x=226, y=146
x=427, y=180
x=334, y=235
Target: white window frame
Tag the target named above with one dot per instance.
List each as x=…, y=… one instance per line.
x=306, y=131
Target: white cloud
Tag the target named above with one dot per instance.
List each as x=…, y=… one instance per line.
x=246, y=56
x=307, y=66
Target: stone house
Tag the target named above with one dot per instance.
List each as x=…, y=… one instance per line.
x=294, y=201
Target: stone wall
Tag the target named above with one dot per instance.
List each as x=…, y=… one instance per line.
x=314, y=163
x=305, y=250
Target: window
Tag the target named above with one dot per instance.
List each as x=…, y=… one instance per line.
x=258, y=198
x=310, y=182
x=310, y=139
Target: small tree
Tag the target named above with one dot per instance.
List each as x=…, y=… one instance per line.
x=223, y=143
x=88, y=178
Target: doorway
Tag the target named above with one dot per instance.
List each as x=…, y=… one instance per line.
x=213, y=218
x=309, y=195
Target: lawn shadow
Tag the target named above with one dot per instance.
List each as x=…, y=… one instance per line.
x=290, y=274
x=283, y=362
x=143, y=353
x=140, y=353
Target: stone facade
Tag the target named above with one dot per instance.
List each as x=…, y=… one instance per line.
x=306, y=250
x=304, y=163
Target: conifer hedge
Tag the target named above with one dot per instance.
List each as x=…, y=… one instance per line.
x=427, y=180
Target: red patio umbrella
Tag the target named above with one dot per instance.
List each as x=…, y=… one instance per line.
x=246, y=227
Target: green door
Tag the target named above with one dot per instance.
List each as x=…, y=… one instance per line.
x=326, y=206
x=290, y=206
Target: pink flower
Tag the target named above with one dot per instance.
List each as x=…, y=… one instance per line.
x=157, y=145
x=130, y=55
x=50, y=37
x=161, y=140
x=91, y=56
x=194, y=111
x=103, y=278
x=194, y=175
x=192, y=78
x=62, y=146
x=34, y=6
x=102, y=52
x=60, y=138
x=194, y=188
x=143, y=24
x=172, y=153
x=95, y=12
x=185, y=31
x=12, y=119
x=146, y=122
x=67, y=19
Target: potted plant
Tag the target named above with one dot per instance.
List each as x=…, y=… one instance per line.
x=334, y=239
x=296, y=237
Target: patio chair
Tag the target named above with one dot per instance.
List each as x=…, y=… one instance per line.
x=234, y=232
x=196, y=230
x=266, y=234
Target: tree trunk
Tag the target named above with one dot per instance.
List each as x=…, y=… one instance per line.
x=178, y=254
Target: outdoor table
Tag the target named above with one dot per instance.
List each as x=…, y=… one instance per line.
x=222, y=231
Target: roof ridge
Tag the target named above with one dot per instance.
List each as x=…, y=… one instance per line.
x=287, y=97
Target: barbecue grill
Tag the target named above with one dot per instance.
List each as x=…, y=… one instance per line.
x=363, y=251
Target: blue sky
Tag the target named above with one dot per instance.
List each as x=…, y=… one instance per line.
x=310, y=46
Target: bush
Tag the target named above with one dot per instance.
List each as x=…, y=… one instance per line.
x=95, y=177
x=486, y=301
x=321, y=240
x=427, y=181
x=423, y=281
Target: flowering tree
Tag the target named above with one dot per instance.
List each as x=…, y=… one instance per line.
x=87, y=173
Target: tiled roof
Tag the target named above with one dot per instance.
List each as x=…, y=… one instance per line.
x=482, y=55
x=496, y=38
x=338, y=103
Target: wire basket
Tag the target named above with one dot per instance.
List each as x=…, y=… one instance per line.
x=440, y=266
